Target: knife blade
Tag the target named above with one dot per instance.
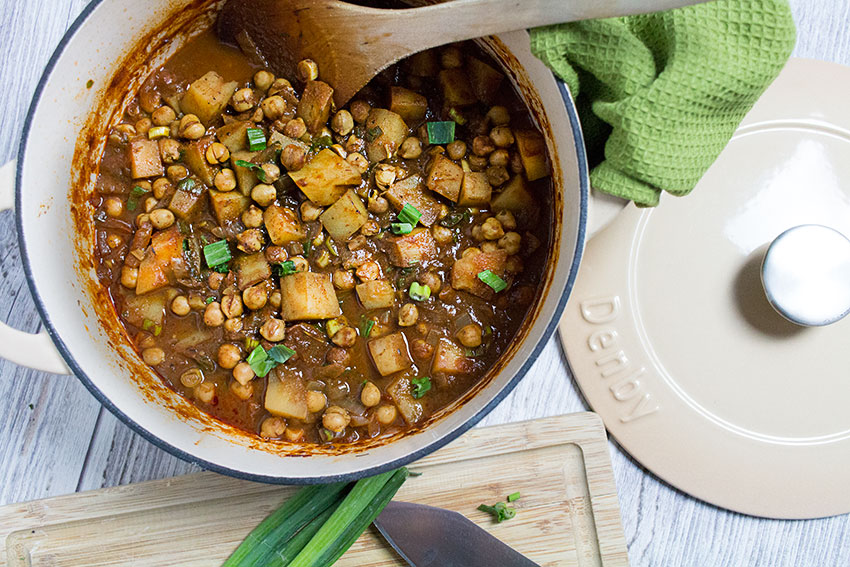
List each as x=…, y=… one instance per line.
x=434, y=537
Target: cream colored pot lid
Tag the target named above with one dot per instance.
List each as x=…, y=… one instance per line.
x=673, y=342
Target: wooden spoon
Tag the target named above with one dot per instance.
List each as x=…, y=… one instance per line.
x=352, y=44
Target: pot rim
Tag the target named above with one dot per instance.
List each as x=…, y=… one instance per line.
x=584, y=191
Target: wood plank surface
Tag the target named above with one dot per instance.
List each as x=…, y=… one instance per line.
x=66, y=442
x=567, y=515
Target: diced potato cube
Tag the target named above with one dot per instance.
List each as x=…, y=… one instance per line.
x=228, y=207
x=532, y=150
x=423, y=64
x=445, y=177
x=411, y=190
x=147, y=307
x=376, y=294
x=152, y=274
x=465, y=271
x=400, y=391
x=234, y=135
x=308, y=295
x=194, y=156
x=168, y=245
x=251, y=270
x=449, y=358
x=345, y=217
x=475, y=191
x=514, y=197
x=315, y=105
x=389, y=353
x=325, y=178
x=385, y=131
x=246, y=179
x=283, y=225
x=411, y=249
x=485, y=80
x=207, y=97
x=409, y=105
x=286, y=394
x=155, y=269
x=185, y=201
x=456, y=89
x=145, y=160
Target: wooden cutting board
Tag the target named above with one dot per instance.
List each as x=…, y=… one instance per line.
x=568, y=514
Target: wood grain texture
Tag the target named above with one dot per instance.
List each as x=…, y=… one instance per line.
x=66, y=441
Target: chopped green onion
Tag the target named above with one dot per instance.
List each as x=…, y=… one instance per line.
x=260, y=362
x=419, y=292
x=217, y=253
x=251, y=344
x=476, y=352
x=157, y=330
x=280, y=353
x=307, y=245
x=500, y=511
x=513, y=497
x=441, y=132
x=409, y=214
x=321, y=143
x=284, y=268
x=258, y=169
x=421, y=386
x=209, y=300
x=366, y=327
x=135, y=194
x=329, y=244
x=147, y=325
x=373, y=133
x=221, y=268
x=89, y=84
x=455, y=115
x=256, y=139
x=328, y=434
x=452, y=219
x=494, y=281
x=188, y=185
x=401, y=227
x=158, y=132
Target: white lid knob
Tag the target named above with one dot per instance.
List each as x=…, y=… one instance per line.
x=806, y=275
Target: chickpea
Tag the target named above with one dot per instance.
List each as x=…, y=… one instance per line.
x=294, y=434
x=272, y=428
x=214, y=280
x=511, y=243
x=342, y=122
x=354, y=144
x=192, y=377
x=498, y=115
x=338, y=355
x=482, y=146
x=280, y=86
x=263, y=194
x=231, y=305
x=378, y=205
x=471, y=251
x=360, y=110
x=370, y=395
x=316, y=401
x=470, y=335
x=196, y=301
x=217, y=153
x=273, y=330
x=205, y=392
x=229, y=355
x=150, y=204
x=253, y=217
x=384, y=175
x=225, y=180
x=500, y=158
x=451, y=57
x=489, y=246
x=162, y=218
x=153, y=356
x=368, y=271
x=516, y=163
x=514, y=265
x=432, y=280
x=275, y=298
x=477, y=163
x=411, y=148
x=292, y=157
x=421, y=349
x=114, y=241
x=301, y=264
x=142, y=125
x=255, y=297
x=113, y=206
x=370, y=228
x=250, y=240
x=161, y=187
x=129, y=277
x=234, y=325
x=408, y=315
x=345, y=337
x=142, y=219
x=507, y=219
x=180, y=306
x=176, y=172
x=243, y=373
x=492, y=229
x=310, y=211
x=497, y=174
x=343, y=280
x=271, y=172
x=386, y=414
x=191, y=128
x=502, y=136
x=163, y=116
x=242, y=391
x=273, y=107
x=357, y=243
x=276, y=254
x=456, y=149
x=441, y=234
x=295, y=128
x=307, y=70
x=336, y=419
x=243, y=100
x=263, y=79
x=213, y=317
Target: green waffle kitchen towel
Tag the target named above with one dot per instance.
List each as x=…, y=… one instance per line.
x=660, y=95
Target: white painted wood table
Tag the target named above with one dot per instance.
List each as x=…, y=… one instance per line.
x=55, y=438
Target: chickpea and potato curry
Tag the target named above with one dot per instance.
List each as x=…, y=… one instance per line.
x=319, y=275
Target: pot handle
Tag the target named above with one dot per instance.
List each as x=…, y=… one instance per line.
x=35, y=351
x=602, y=209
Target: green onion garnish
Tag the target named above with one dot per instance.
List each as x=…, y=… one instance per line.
x=513, y=497
x=452, y=219
x=136, y=193
x=284, y=268
x=373, y=133
x=217, y=254
x=409, y=214
x=258, y=169
x=158, y=132
x=419, y=292
x=455, y=115
x=500, y=511
x=307, y=245
x=401, y=227
x=329, y=244
x=321, y=143
x=188, y=185
x=157, y=330
x=494, y=281
x=441, y=132
x=209, y=300
x=251, y=344
x=147, y=325
x=280, y=353
x=260, y=362
x=421, y=386
x=256, y=139
x=366, y=327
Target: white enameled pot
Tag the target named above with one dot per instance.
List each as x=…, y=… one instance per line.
x=74, y=106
